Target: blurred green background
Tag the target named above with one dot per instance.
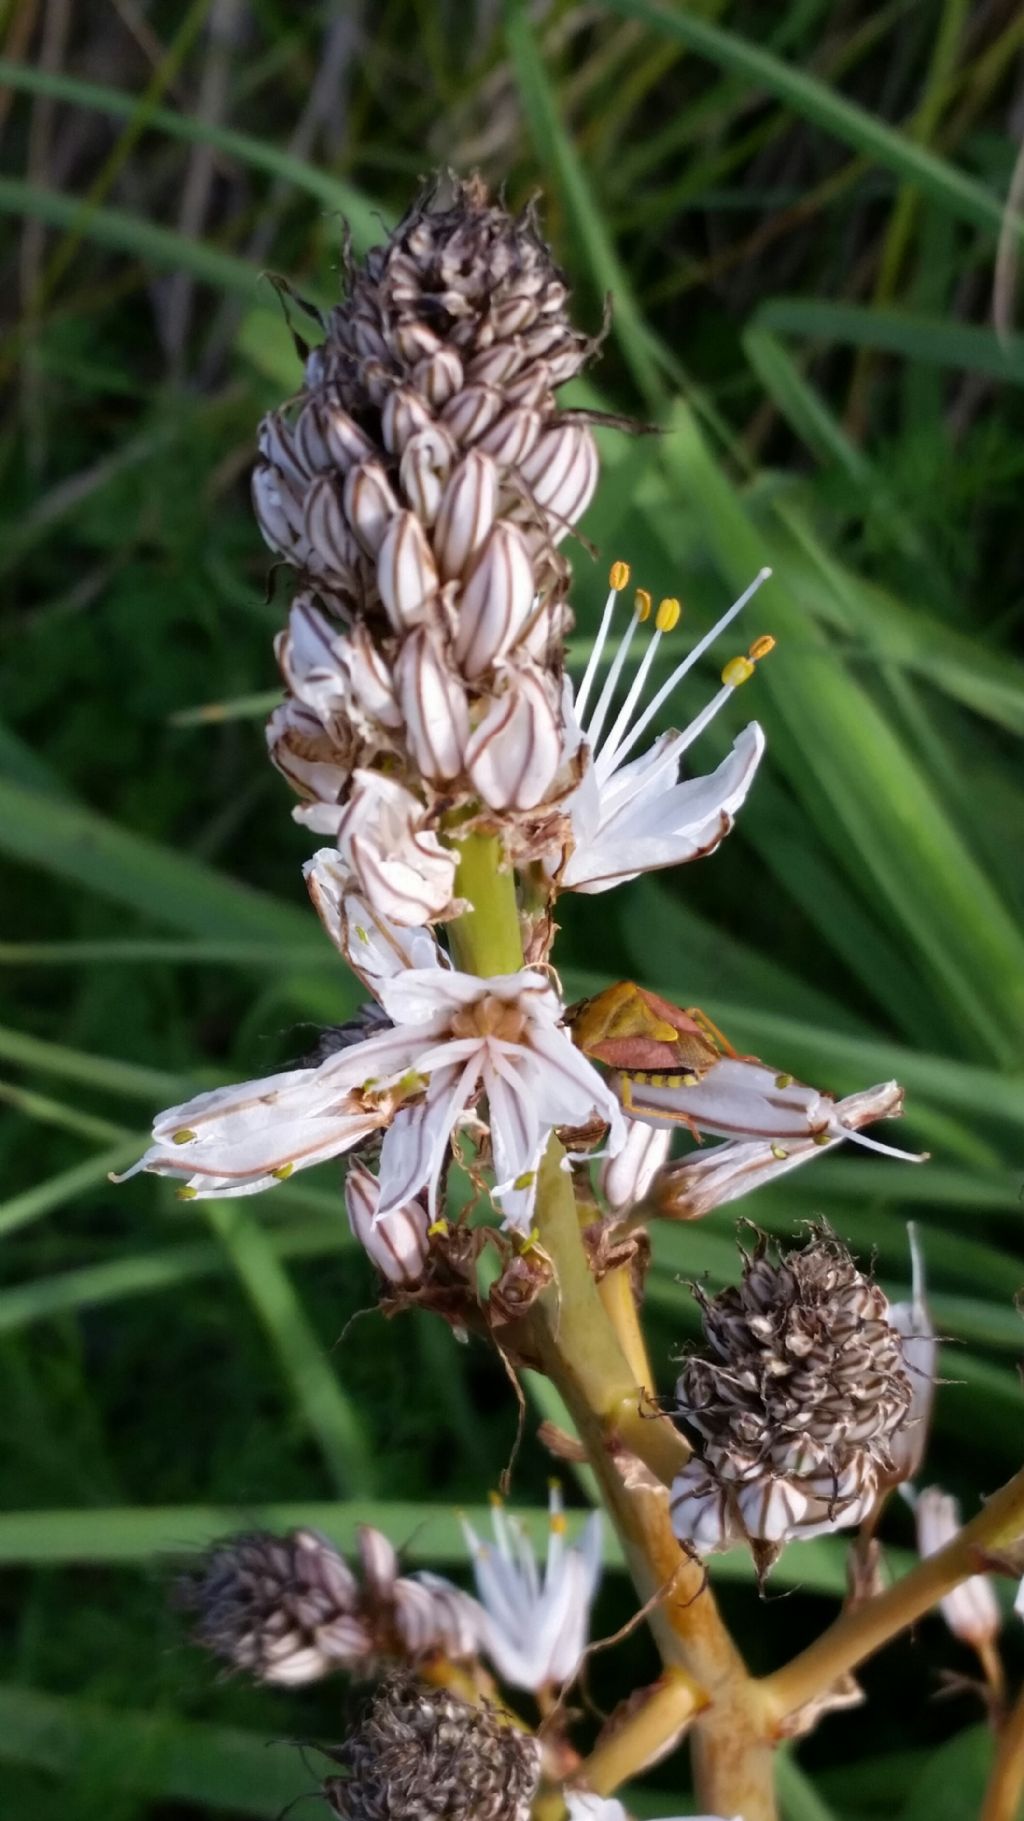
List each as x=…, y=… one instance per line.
x=801, y=214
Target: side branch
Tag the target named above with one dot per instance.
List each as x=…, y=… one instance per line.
x=858, y=1634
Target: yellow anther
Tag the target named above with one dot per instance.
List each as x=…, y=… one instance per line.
x=823, y=1138
x=618, y=576
x=186, y=1194
x=526, y=1180
x=761, y=647
x=554, y=1483
x=283, y=1171
x=495, y=1500
x=737, y=671
x=668, y=615
x=439, y=1229
x=182, y=1136
x=557, y=1524
x=779, y=1152
x=642, y=604
x=361, y=933
x=784, y=1081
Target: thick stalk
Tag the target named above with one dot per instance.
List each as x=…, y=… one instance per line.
x=653, y=1728
x=860, y=1632
x=581, y=1354
x=486, y=939
x=1006, y=1784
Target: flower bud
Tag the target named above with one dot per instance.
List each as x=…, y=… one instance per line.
x=406, y=574
x=971, y=1610
x=397, y=1244
x=435, y=708
x=369, y=504
x=561, y=473
x=515, y=751
x=467, y=512
x=625, y=1179
x=496, y=602
x=913, y=1323
x=424, y=469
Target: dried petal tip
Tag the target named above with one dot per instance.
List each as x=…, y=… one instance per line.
x=794, y=1406
x=289, y=1609
x=423, y=1754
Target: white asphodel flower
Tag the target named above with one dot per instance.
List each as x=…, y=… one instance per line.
x=584, y=1806
x=632, y=815
x=534, y=1628
x=707, y=1179
x=452, y=1037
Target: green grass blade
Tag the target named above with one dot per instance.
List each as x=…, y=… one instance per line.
x=425, y=1533
x=951, y=189
x=123, y=232
x=364, y=220
x=78, y=845
x=330, y=1415
x=156, y=1756
x=557, y=154
x=147, y=1273
x=56, y=1191
x=863, y=786
x=937, y=340
x=798, y=1797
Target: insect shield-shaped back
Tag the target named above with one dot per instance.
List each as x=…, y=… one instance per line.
x=638, y=1033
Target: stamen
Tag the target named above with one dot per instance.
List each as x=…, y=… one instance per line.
x=665, y=619
x=618, y=579
x=641, y=609
x=887, y=1150
x=683, y=669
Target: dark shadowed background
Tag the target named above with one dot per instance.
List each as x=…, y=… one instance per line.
x=801, y=215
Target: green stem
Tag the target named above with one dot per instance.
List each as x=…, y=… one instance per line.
x=485, y=939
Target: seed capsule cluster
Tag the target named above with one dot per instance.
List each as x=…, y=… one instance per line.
x=794, y=1404
x=422, y=1754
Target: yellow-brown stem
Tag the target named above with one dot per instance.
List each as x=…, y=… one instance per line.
x=1006, y=1784
x=581, y=1353
x=653, y=1727
x=616, y=1292
x=860, y=1632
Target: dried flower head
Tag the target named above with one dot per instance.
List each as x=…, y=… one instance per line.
x=289, y=1608
x=793, y=1406
x=423, y=1754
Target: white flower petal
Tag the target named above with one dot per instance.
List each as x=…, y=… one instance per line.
x=676, y=824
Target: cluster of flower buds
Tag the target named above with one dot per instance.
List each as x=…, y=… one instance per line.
x=290, y=1609
x=795, y=1405
x=421, y=485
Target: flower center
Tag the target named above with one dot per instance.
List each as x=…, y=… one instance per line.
x=490, y=1017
